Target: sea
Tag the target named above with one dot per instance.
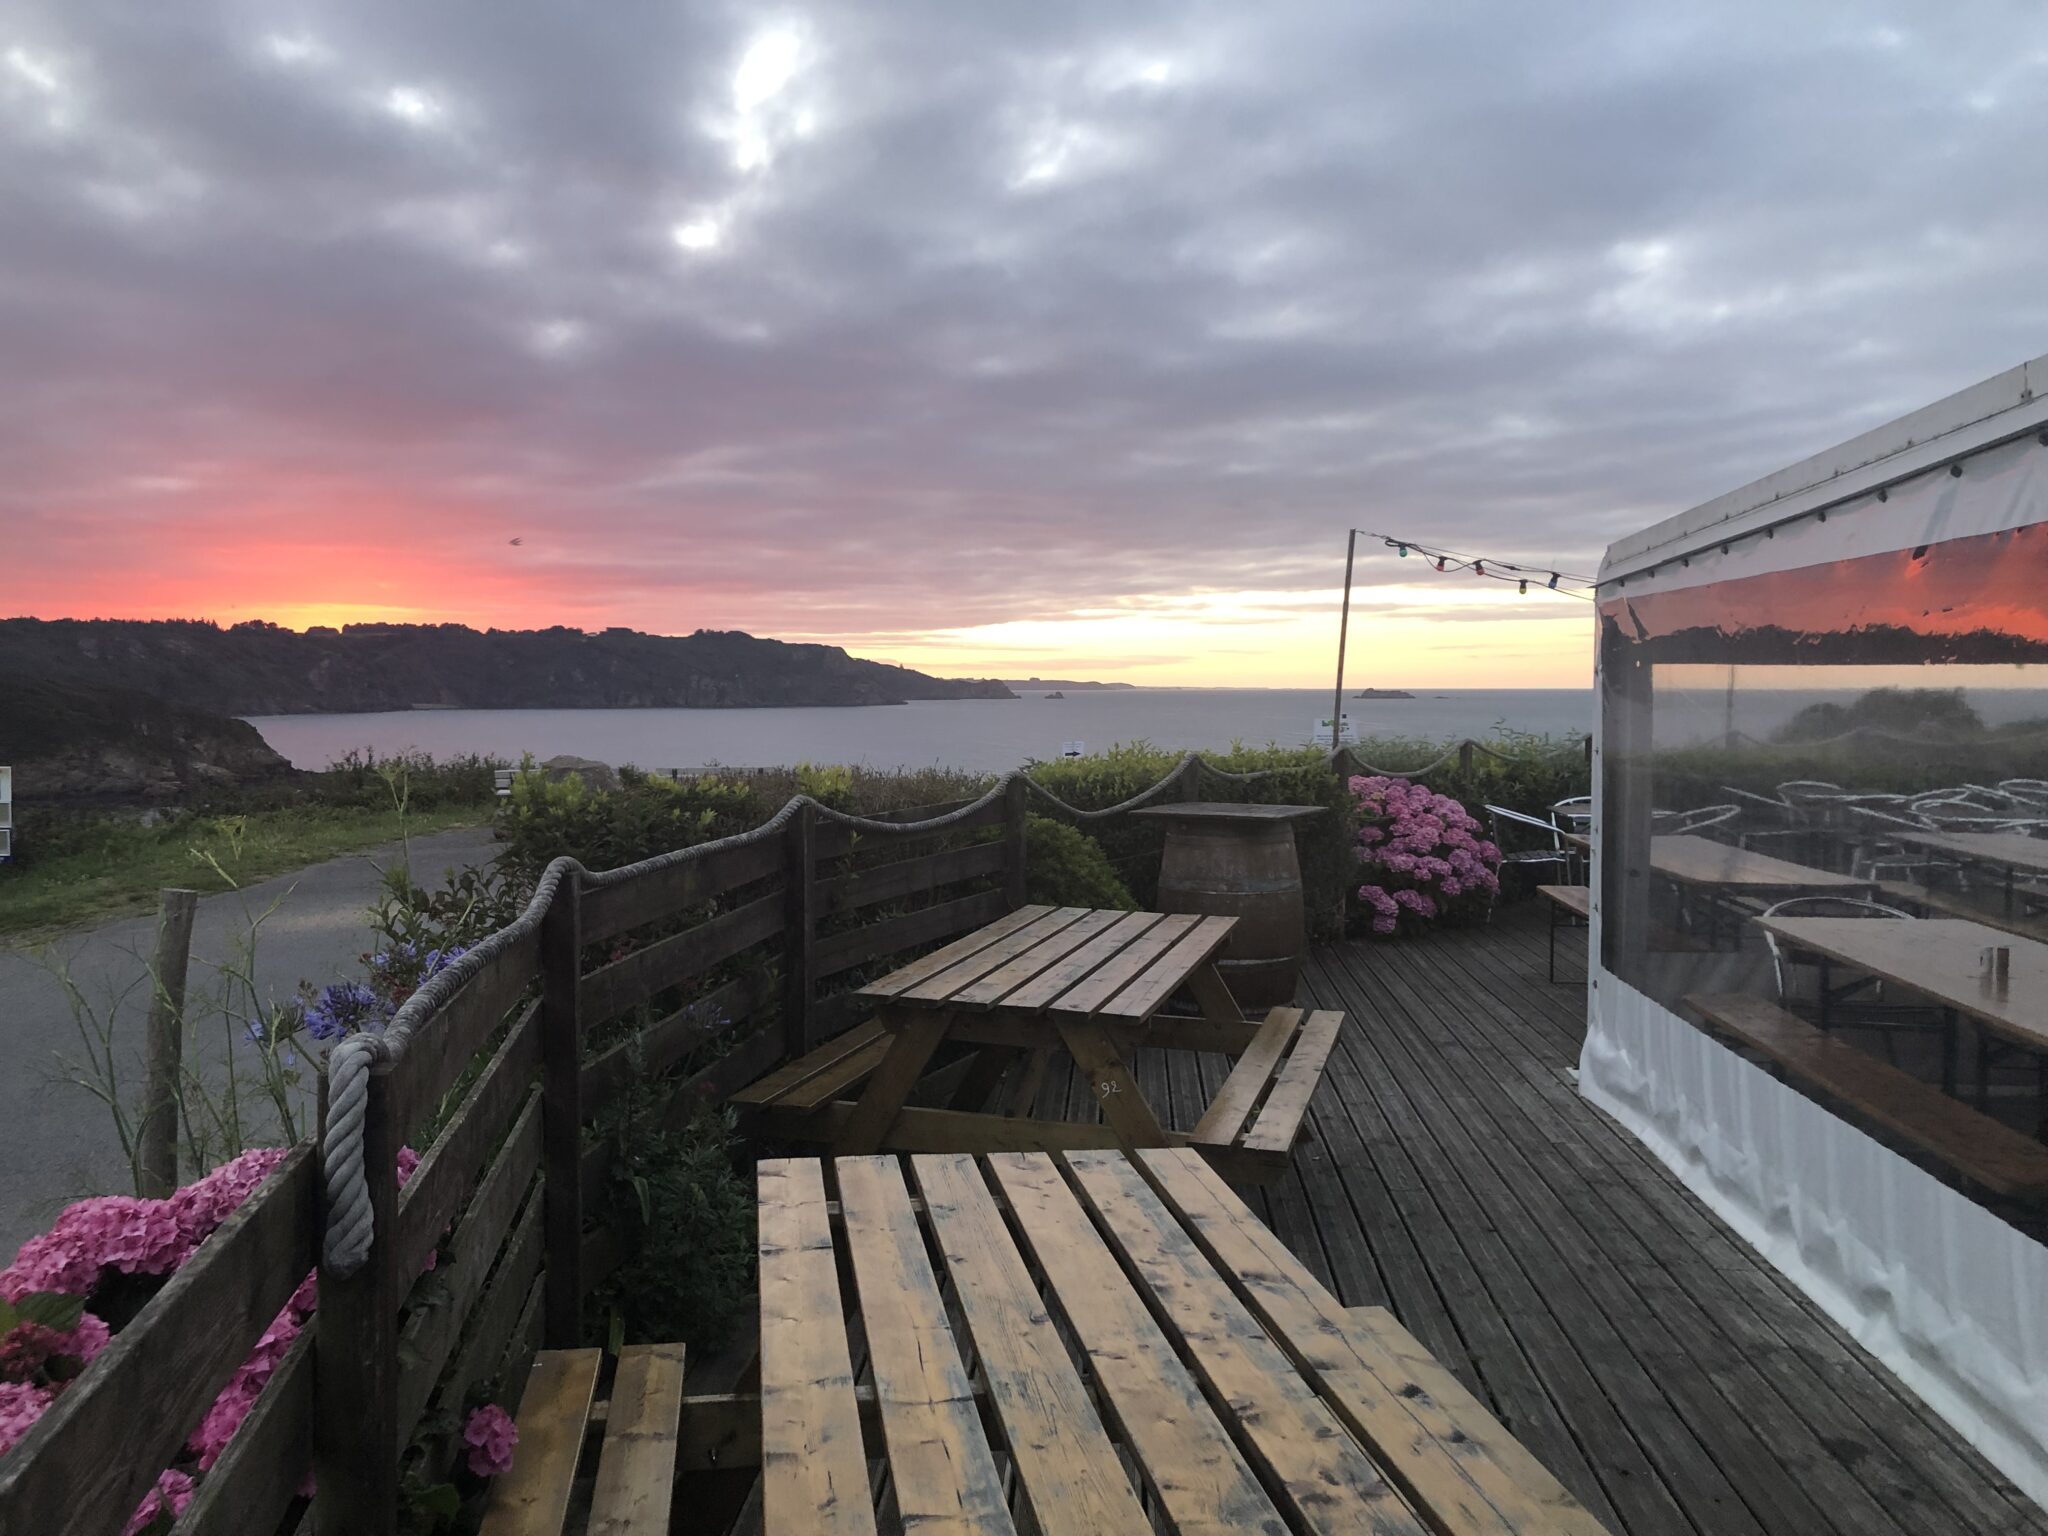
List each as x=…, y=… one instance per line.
x=982, y=735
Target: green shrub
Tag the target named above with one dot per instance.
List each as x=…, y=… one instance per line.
x=1065, y=867
x=544, y=819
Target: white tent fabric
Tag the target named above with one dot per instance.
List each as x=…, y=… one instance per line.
x=1952, y=1298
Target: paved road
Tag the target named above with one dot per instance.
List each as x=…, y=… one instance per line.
x=56, y=1142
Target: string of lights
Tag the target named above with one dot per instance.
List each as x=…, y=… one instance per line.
x=1565, y=583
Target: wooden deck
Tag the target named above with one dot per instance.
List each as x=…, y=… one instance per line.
x=1672, y=1380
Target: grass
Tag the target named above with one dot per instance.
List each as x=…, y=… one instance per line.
x=110, y=867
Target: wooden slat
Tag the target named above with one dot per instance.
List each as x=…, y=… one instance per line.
x=1576, y=899
x=925, y=966
x=910, y=1050
x=814, y=1472
x=1085, y=961
x=612, y=989
x=495, y=1326
x=430, y=1331
x=442, y=1180
x=918, y=1129
x=891, y=882
x=836, y=840
x=795, y=1074
x=532, y=1498
x=1069, y=1469
x=1225, y=1118
x=716, y=1083
x=848, y=1073
x=1188, y=1459
x=613, y=908
x=447, y=1043
x=1467, y=1474
x=636, y=1468
x=668, y=1040
x=1280, y=1118
x=877, y=941
x=89, y=1460
x=945, y=1476
x=259, y=1475
x=1105, y=982
x=1330, y=1485
x=1169, y=973
x=1033, y=962
x=941, y=985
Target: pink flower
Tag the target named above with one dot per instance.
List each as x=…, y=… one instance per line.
x=20, y=1406
x=173, y=1491
x=490, y=1435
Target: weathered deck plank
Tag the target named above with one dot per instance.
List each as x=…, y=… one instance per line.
x=1670, y=1379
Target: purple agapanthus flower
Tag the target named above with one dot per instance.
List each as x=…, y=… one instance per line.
x=345, y=1008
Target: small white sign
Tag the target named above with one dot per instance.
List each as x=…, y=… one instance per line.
x=1073, y=749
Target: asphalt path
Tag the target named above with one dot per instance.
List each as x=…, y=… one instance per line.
x=57, y=1142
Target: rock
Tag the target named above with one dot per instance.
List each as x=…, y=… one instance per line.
x=595, y=775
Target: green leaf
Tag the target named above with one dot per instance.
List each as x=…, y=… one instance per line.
x=52, y=1309
x=440, y=1501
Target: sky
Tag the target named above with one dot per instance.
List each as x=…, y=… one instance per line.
x=1048, y=338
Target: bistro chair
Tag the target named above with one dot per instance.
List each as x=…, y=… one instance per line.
x=1512, y=834
x=1875, y=857
x=1574, y=814
x=1698, y=819
x=1766, y=818
x=1857, y=1004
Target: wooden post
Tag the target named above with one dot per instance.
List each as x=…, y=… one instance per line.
x=1465, y=761
x=1015, y=851
x=799, y=928
x=355, y=1373
x=1191, y=779
x=156, y=1151
x=561, y=1105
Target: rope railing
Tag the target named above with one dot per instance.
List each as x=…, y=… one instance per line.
x=350, y=1227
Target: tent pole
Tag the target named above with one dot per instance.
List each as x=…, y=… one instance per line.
x=1343, y=634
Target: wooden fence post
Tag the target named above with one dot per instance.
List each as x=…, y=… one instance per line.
x=156, y=1161
x=355, y=1373
x=1015, y=851
x=1191, y=779
x=1465, y=760
x=561, y=1106
x=799, y=928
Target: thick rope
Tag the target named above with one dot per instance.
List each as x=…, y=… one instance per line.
x=350, y=1225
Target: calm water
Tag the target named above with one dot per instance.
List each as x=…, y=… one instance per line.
x=982, y=734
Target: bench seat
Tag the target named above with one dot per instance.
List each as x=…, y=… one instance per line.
x=821, y=1075
x=1258, y=1112
x=635, y=1464
x=1985, y=1151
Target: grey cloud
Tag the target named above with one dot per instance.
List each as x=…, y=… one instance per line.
x=1015, y=327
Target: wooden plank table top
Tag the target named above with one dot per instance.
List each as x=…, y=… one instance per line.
x=1694, y=860
x=1061, y=960
x=1938, y=958
x=1131, y=1335
x=2004, y=850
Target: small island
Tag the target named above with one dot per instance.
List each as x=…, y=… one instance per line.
x=1383, y=693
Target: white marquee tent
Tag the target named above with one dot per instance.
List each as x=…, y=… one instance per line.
x=1793, y=650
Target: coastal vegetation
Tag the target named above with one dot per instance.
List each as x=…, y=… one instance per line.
x=257, y=668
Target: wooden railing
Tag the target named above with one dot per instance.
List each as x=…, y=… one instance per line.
x=701, y=975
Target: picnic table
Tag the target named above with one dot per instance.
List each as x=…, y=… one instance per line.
x=1938, y=958
x=1718, y=871
x=1036, y=983
x=1130, y=1351
x=2014, y=853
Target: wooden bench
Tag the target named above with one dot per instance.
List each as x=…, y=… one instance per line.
x=1248, y=1131
x=1566, y=901
x=635, y=1469
x=1981, y=1149
x=1258, y=1112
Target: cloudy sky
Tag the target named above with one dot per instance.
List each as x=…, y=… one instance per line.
x=1003, y=337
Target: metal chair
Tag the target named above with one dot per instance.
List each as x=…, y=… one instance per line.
x=1558, y=855
x=1766, y=819
x=1574, y=813
x=1698, y=819
x=1874, y=855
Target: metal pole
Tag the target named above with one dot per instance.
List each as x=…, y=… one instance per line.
x=1343, y=634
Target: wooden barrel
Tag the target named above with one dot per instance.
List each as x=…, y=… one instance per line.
x=1239, y=861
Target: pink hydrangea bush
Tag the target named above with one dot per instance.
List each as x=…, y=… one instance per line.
x=118, y=1234
x=1422, y=855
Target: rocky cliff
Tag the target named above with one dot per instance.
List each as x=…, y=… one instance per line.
x=261, y=669
x=68, y=741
